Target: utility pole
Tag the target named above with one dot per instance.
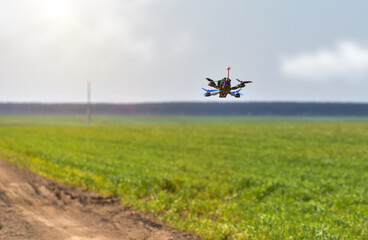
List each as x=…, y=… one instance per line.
x=89, y=103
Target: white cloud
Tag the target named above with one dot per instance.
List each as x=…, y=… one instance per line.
x=347, y=60
x=54, y=47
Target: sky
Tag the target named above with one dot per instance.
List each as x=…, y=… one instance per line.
x=137, y=51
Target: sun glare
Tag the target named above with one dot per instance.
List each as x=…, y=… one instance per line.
x=56, y=12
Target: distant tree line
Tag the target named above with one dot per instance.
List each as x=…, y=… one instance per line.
x=194, y=109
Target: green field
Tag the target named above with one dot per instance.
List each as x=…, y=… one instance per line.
x=62, y=120
x=220, y=177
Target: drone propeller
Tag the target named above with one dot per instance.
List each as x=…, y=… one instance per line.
x=209, y=91
x=213, y=90
x=243, y=82
x=211, y=80
x=237, y=92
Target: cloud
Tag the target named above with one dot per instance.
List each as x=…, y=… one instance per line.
x=51, y=45
x=347, y=60
x=47, y=38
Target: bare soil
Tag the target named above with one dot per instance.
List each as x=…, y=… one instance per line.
x=33, y=207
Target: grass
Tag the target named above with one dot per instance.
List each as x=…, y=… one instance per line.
x=256, y=178
x=78, y=120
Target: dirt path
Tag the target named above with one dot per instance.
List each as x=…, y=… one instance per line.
x=33, y=207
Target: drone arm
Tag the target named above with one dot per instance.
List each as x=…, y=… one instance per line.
x=209, y=94
x=213, y=84
x=238, y=86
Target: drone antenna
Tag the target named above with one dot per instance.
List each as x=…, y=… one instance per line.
x=228, y=72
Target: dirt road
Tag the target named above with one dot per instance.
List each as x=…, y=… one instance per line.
x=33, y=207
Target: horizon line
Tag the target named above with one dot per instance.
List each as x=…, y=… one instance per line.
x=175, y=102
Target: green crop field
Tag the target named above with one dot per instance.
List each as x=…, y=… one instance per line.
x=219, y=177
x=62, y=120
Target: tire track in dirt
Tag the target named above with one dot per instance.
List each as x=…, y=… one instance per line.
x=33, y=207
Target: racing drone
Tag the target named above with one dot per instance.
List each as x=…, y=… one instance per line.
x=223, y=87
